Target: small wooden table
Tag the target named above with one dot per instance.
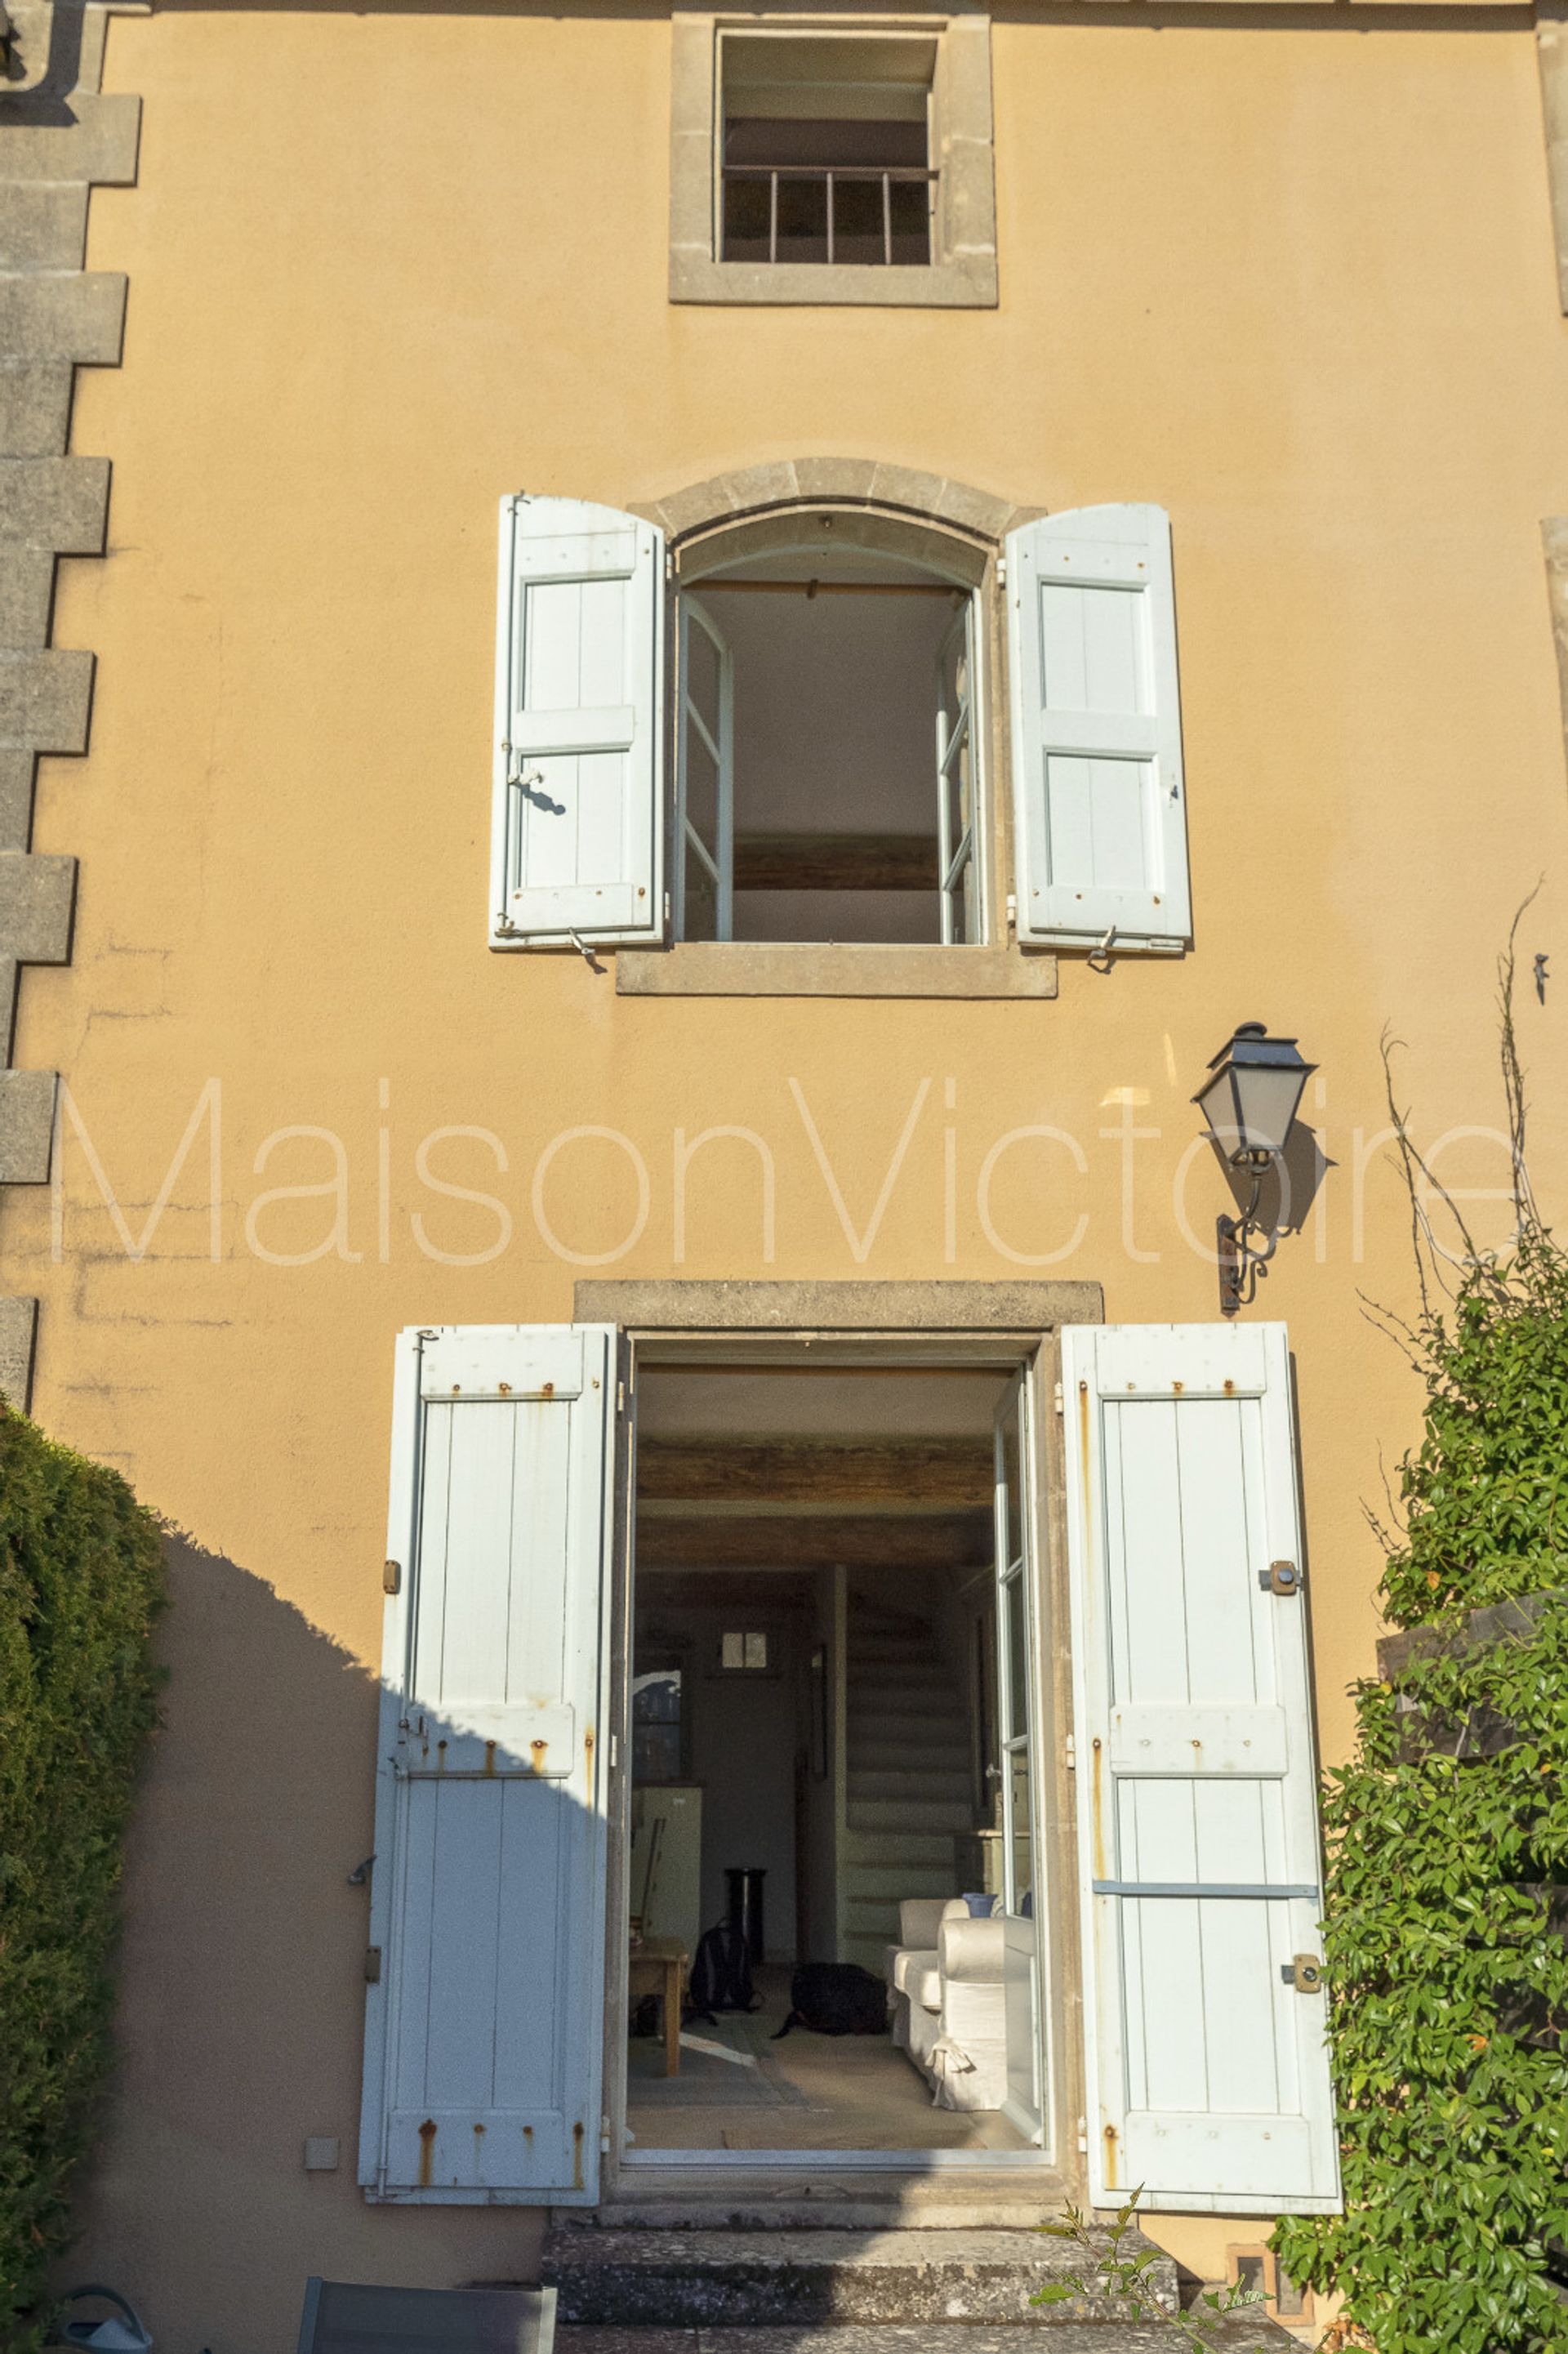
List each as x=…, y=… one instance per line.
x=658, y=1966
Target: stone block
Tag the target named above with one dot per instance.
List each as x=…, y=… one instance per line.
x=45, y=700
x=36, y=893
x=27, y=594
x=27, y=1126
x=15, y=800
x=35, y=408
x=59, y=503
x=43, y=225
x=71, y=317
x=18, y=1328
x=811, y=969
x=97, y=145
x=837, y=1306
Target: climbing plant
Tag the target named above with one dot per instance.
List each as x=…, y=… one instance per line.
x=80, y=1585
x=1446, y=1937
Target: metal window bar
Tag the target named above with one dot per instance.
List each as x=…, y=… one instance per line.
x=718, y=862
x=829, y=175
x=952, y=742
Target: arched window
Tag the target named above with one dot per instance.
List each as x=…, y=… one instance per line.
x=828, y=742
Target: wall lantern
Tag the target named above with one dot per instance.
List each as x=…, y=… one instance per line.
x=1249, y=1102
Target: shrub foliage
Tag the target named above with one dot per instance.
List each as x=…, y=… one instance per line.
x=80, y=1583
x=1446, y=1938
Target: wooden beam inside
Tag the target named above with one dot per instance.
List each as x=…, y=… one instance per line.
x=749, y=1541
x=835, y=861
x=902, y=1476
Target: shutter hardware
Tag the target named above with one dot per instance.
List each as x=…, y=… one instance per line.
x=1304, y=1972
x=391, y=1576
x=1281, y=1577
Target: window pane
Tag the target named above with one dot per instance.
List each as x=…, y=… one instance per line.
x=857, y=220
x=756, y=1651
x=732, y=1651
x=747, y=205
x=1017, y=1660
x=911, y=221
x=802, y=221
x=1022, y=1891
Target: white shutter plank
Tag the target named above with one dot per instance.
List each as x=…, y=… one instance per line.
x=1208, y=2073
x=483, y=2051
x=1099, y=797
x=578, y=833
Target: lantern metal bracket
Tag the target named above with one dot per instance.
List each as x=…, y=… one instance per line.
x=1241, y=1263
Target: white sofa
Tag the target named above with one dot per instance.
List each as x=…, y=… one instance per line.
x=946, y=2000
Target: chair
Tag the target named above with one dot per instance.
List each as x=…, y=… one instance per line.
x=345, y=2318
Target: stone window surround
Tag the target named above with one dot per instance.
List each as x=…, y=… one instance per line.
x=964, y=275
x=960, y=529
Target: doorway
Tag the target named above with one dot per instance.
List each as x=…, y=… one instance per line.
x=834, y=1701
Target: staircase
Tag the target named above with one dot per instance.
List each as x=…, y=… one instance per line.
x=910, y=1795
x=639, y=2278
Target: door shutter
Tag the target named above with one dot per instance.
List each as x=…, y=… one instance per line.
x=578, y=831
x=1208, y=2068
x=1097, y=732
x=485, y=2007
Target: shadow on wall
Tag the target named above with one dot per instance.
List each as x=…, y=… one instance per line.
x=241, y=1980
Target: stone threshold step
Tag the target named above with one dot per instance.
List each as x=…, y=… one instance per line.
x=670, y=2199
x=719, y=2279
x=1232, y=2334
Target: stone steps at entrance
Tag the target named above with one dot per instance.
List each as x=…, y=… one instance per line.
x=1236, y=2334
x=738, y=2279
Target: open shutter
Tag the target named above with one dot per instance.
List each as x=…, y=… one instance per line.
x=485, y=2007
x=1099, y=825
x=578, y=831
x=1208, y=2066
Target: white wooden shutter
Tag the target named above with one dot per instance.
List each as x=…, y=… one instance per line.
x=1208, y=2071
x=484, y=2026
x=577, y=838
x=1100, y=822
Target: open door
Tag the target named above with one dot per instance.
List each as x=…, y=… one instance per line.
x=1207, y=2058
x=705, y=777
x=1017, y=1594
x=485, y=1999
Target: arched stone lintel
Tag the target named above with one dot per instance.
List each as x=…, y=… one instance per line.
x=754, y=490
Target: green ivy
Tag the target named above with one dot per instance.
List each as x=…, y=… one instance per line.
x=82, y=1581
x=1446, y=1936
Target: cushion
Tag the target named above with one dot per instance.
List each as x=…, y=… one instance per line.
x=974, y=2011
x=972, y=1949
x=926, y=1983
x=919, y=1917
x=909, y=1965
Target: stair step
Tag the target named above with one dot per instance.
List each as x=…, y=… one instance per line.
x=915, y=1783
x=911, y=1815
x=908, y=1849
x=1233, y=2333
x=735, y=2279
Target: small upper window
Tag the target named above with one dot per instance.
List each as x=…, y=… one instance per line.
x=744, y=1652
x=826, y=154
x=849, y=164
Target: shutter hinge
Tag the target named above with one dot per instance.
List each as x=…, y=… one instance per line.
x=391, y=1576
x=604, y=2137
x=620, y=1397
x=1083, y=2137
x=668, y=564
x=666, y=908
x=1012, y=909
x=1056, y=1396
x=1072, y=1755
x=1001, y=571
x=614, y=1753
x=373, y=1965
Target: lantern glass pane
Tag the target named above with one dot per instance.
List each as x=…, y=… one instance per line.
x=1268, y=1101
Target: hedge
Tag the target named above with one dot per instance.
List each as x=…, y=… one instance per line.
x=1447, y=1832
x=82, y=1581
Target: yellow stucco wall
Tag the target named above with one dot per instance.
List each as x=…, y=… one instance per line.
x=1290, y=277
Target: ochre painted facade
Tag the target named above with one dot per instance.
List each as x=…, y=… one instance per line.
x=1288, y=273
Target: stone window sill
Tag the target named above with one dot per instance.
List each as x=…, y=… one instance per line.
x=764, y=968
x=968, y=283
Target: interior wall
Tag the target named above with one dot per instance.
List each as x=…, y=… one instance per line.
x=743, y=1734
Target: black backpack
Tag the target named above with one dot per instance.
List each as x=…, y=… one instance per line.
x=721, y=1973
x=836, y=1998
